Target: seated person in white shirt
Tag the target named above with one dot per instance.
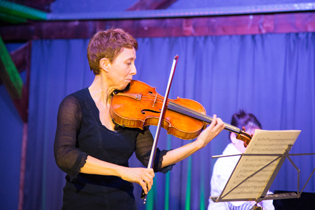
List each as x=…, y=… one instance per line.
x=224, y=166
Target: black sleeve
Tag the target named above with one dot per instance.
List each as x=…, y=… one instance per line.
x=143, y=150
x=67, y=156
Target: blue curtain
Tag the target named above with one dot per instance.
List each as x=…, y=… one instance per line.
x=11, y=129
x=269, y=75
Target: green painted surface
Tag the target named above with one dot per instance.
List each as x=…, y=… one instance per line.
x=11, y=71
x=20, y=11
x=11, y=19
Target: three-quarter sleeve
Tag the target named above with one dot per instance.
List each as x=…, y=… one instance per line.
x=143, y=151
x=67, y=156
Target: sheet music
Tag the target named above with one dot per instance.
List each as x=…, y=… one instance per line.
x=263, y=142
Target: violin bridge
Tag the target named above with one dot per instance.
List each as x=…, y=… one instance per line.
x=155, y=99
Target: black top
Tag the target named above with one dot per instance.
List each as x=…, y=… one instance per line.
x=80, y=133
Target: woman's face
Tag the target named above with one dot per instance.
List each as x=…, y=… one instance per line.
x=122, y=69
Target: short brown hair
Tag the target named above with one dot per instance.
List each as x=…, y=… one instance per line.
x=108, y=44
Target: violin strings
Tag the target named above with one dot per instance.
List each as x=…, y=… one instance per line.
x=192, y=112
x=230, y=127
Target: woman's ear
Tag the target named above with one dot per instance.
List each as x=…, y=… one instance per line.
x=104, y=64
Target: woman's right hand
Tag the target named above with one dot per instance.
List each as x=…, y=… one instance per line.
x=141, y=176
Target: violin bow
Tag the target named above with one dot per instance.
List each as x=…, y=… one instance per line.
x=157, y=133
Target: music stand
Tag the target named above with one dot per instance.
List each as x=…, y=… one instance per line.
x=258, y=166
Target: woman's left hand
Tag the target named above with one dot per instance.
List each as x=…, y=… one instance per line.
x=178, y=154
x=215, y=127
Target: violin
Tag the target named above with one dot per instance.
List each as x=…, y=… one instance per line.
x=139, y=105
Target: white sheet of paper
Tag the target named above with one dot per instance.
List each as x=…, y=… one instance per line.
x=263, y=142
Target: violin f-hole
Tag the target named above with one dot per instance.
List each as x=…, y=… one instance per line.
x=148, y=110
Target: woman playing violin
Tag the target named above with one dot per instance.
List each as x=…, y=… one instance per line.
x=92, y=150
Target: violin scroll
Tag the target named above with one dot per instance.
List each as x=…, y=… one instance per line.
x=245, y=137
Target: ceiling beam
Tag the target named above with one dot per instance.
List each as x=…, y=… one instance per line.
x=184, y=13
x=151, y=5
x=165, y=27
